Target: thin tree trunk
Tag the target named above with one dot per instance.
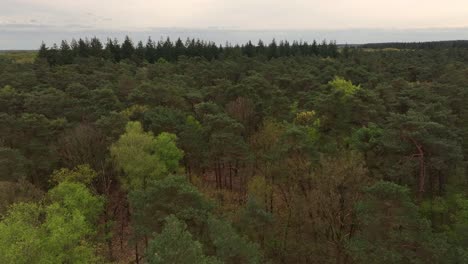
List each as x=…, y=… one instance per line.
x=216, y=174
x=108, y=238
x=223, y=175
x=422, y=167
x=271, y=194
x=189, y=170
x=122, y=222
x=230, y=175
x=422, y=175
x=137, y=257
x=441, y=183
x=288, y=221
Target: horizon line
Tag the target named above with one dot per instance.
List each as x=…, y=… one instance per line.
x=338, y=44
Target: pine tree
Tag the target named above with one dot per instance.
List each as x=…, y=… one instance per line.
x=261, y=49
x=249, y=50
x=150, y=52
x=113, y=50
x=273, y=50
x=53, y=55
x=332, y=49
x=140, y=52
x=179, y=48
x=43, y=51
x=83, y=48
x=66, y=54
x=96, y=48
x=167, y=50
x=314, y=50
x=74, y=47
x=127, y=49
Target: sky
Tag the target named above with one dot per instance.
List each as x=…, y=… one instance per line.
x=25, y=23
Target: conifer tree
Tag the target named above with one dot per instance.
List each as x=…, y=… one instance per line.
x=127, y=49
x=96, y=47
x=66, y=54
x=273, y=50
x=43, y=51
x=150, y=51
x=83, y=48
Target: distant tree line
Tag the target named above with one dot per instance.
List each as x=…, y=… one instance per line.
x=168, y=50
x=419, y=45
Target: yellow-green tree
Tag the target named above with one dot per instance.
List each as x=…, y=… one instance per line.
x=144, y=157
x=58, y=230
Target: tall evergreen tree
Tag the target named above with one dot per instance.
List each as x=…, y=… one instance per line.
x=96, y=48
x=83, y=48
x=43, y=51
x=140, y=52
x=127, y=50
x=179, y=48
x=113, y=50
x=273, y=50
x=66, y=54
x=151, y=53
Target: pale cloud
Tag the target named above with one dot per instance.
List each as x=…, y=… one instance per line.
x=241, y=14
x=24, y=24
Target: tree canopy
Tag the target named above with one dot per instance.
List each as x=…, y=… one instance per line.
x=188, y=151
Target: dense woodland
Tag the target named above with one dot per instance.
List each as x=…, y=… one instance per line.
x=189, y=152
x=420, y=45
x=170, y=51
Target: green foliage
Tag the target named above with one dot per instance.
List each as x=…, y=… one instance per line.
x=175, y=245
x=56, y=232
x=392, y=230
x=20, y=238
x=451, y=215
x=163, y=119
x=366, y=138
x=230, y=246
x=19, y=56
x=11, y=100
x=76, y=197
x=112, y=125
x=176, y=196
x=81, y=174
x=144, y=157
x=32, y=135
x=425, y=134
x=307, y=118
x=344, y=86
x=102, y=101
x=254, y=220
x=17, y=192
x=49, y=102
x=13, y=165
x=178, y=199
x=167, y=151
x=268, y=130
x=166, y=50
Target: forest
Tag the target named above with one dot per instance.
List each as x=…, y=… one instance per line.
x=187, y=152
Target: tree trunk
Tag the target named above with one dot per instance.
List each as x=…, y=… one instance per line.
x=422, y=167
x=122, y=223
x=230, y=176
x=441, y=183
x=223, y=175
x=422, y=175
x=271, y=194
x=189, y=170
x=137, y=257
x=216, y=174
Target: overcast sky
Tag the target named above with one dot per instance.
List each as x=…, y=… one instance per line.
x=18, y=18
